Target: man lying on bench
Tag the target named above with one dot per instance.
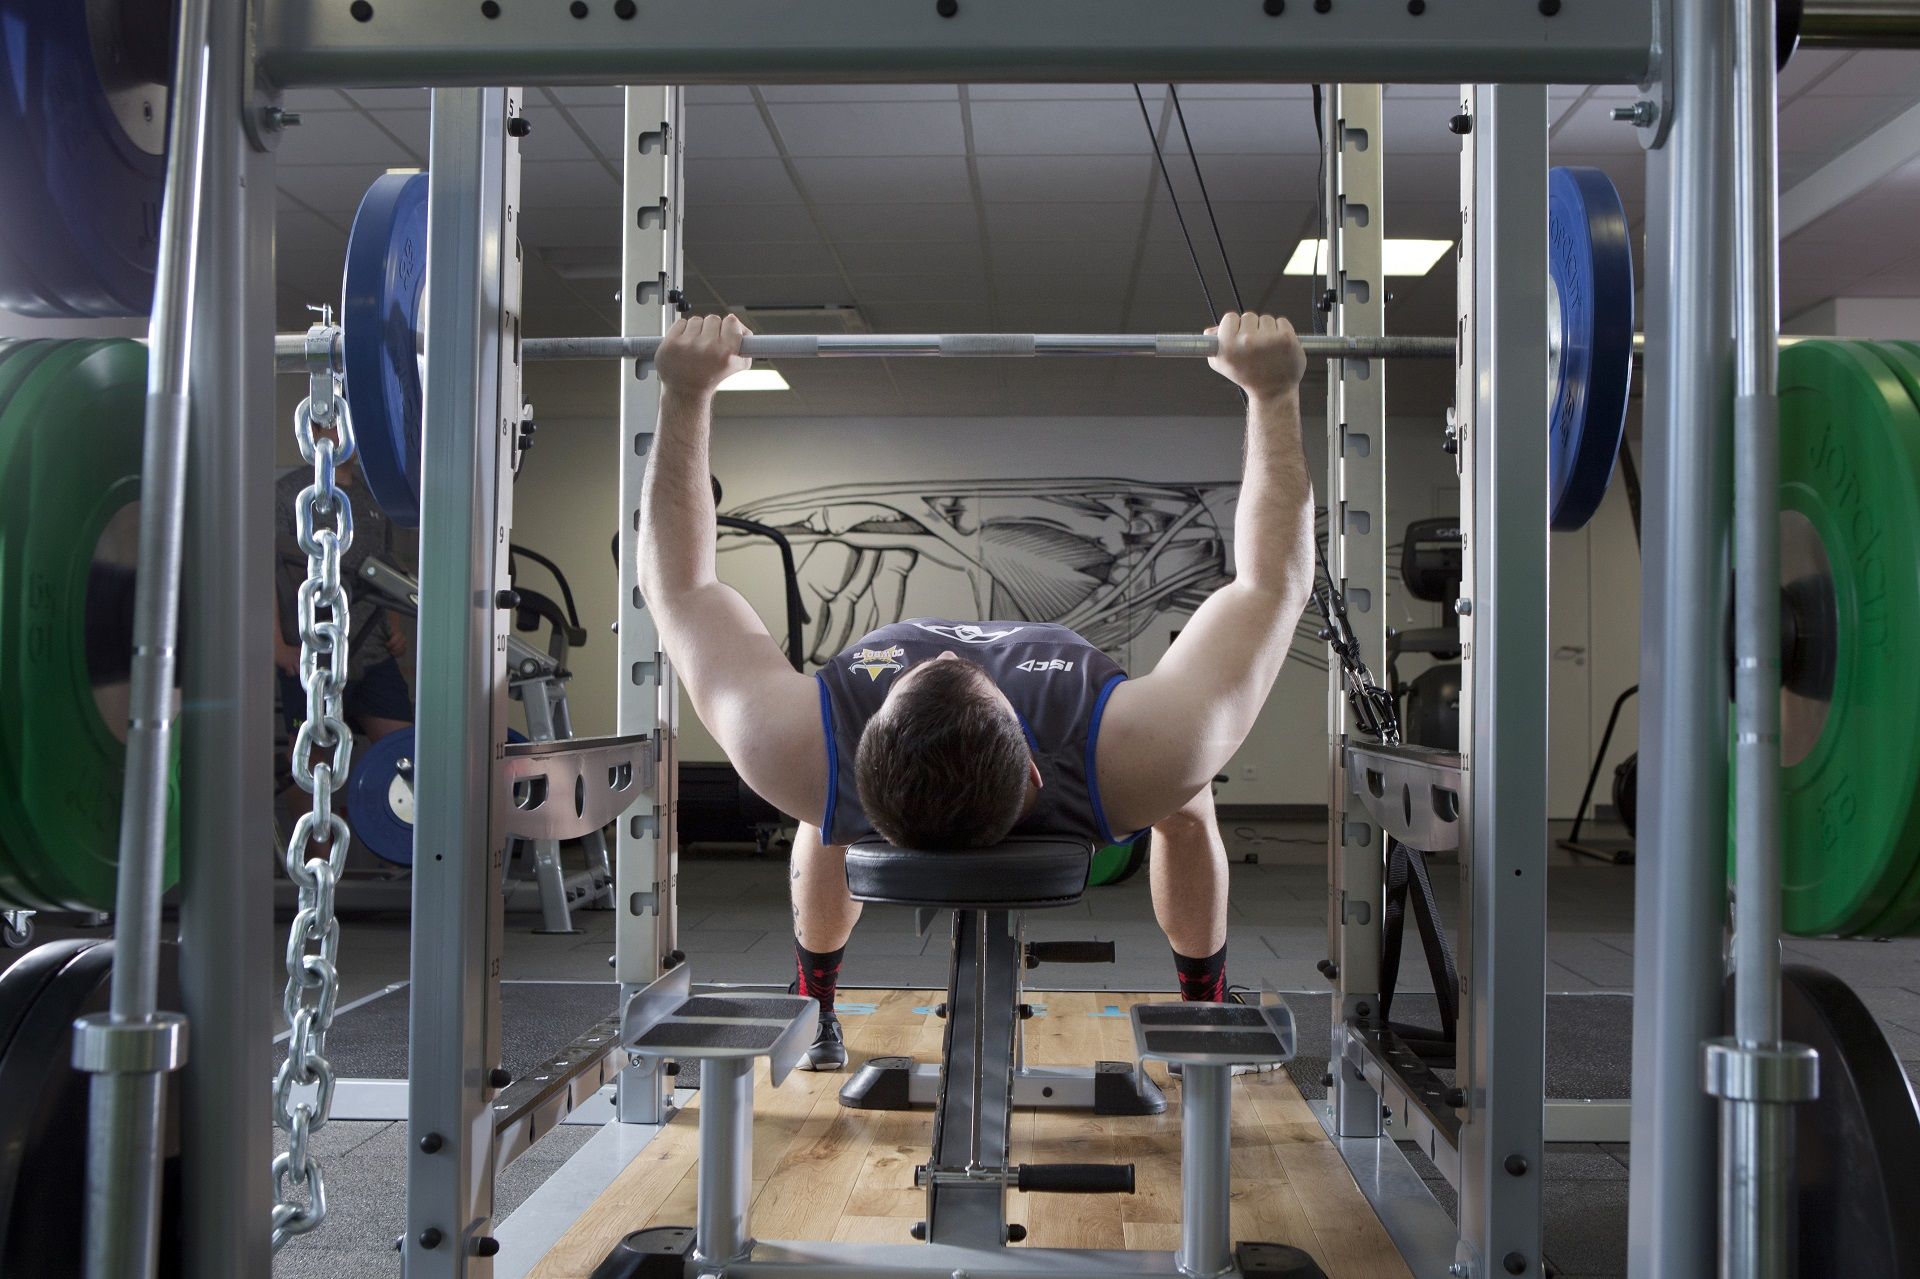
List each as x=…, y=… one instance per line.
x=951, y=735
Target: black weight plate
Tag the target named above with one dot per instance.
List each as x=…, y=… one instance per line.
x=43, y=1124
x=83, y=148
x=26, y=977
x=1859, y=1180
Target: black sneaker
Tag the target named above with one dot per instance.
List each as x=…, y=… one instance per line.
x=829, y=1051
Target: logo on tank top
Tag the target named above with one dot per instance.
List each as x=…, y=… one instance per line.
x=968, y=633
x=1036, y=664
x=872, y=661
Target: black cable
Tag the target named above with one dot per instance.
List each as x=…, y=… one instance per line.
x=1319, y=280
x=1193, y=157
x=1166, y=177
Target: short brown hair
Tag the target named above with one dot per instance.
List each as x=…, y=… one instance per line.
x=945, y=765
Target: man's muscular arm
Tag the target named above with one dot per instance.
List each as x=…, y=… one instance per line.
x=1167, y=734
x=764, y=714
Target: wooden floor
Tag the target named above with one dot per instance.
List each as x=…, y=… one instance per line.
x=823, y=1172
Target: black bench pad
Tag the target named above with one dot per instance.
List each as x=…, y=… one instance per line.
x=1024, y=873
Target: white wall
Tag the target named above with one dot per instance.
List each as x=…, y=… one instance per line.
x=1882, y=318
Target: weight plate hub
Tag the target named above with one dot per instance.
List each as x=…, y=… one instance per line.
x=1849, y=499
x=1590, y=339
x=69, y=522
x=380, y=796
x=381, y=314
x=83, y=127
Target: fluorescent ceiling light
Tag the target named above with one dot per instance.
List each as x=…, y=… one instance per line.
x=1401, y=257
x=756, y=380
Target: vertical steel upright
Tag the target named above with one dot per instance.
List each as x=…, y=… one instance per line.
x=646, y=874
x=1356, y=553
x=226, y=881
x=1686, y=469
x=472, y=409
x=1501, y=402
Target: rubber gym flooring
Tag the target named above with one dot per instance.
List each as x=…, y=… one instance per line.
x=735, y=925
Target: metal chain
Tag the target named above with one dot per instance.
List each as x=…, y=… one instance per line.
x=322, y=750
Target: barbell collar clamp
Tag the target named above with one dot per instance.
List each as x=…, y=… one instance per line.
x=152, y=1045
x=1777, y=1073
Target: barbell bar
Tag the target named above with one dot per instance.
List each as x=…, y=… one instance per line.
x=289, y=349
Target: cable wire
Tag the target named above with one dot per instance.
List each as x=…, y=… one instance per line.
x=1193, y=157
x=1166, y=177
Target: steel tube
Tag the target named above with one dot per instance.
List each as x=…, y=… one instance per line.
x=1680, y=895
x=226, y=678
x=725, y=1173
x=1206, y=1129
x=123, y=1168
x=1860, y=24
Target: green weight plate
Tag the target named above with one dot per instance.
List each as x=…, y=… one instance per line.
x=1903, y=914
x=17, y=850
x=1108, y=862
x=1850, y=540
x=81, y=414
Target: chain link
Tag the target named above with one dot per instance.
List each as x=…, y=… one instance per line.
x=322, y=751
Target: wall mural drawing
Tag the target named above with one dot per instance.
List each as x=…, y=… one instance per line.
x=1107, y=556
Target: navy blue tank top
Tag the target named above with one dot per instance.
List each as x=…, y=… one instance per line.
x=1058, y=684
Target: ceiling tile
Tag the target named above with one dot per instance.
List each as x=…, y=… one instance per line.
x=1238, y=127
x=955, y=287
x=781, y=290
x=1055, y=92
x=1092, y=288
x=927, y=317
x=740, y=182
x=860, y=92
x=1247, y=177
x=1869, y=73
x=1421, y=177
x=791, y=257
x=556, y=134
x=1814, y=270
x=898, y=128
x=1806, y=68
x=1590, y=129
x=1814, y=123
x=1447, y=92
x=391, y=99
x=329, y=188
x=606, y=129
x=895, y=221
x=726, y=132
x=341, y=137
x=1898, y=280
x=708, y=223
x=883, y=257
x=1239, y=220
x=1064, y=221
x=1874, y=226
x=1425, y=221
x=1419, y=126
x=1189, y=92
x=698, y=94
x=954, y=386
x=1068, y=127
x=1080, y=256
x=1036, y=313
x=871, y=180
x=589, y=95
x=566, y=184
x=315, y=100
x=1117, y=178
x=573, y=228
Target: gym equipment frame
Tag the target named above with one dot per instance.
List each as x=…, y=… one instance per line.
x=250, y=51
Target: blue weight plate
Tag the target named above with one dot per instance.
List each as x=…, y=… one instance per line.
x=381, y=312
x=83, y=125
x=380, y=801
x=1590, y=315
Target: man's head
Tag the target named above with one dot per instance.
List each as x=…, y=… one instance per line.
x=944, y=763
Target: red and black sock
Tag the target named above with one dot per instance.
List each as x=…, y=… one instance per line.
x=1202, y=980
x=819, y=974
